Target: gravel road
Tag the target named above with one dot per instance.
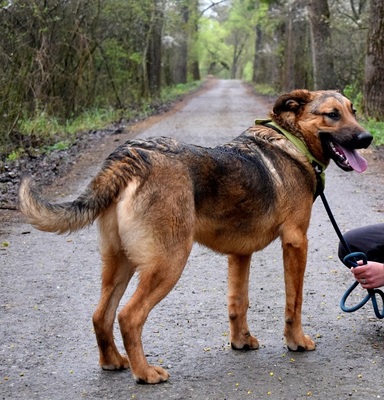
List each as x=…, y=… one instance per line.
x=49, y=287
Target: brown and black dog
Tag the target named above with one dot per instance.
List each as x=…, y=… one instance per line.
x=154, y=198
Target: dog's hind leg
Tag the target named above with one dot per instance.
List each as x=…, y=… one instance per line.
x=295, y=245
x=238, y=302
x=156, y=227
x=156, y=279
x=115, y=277
x=116, y=274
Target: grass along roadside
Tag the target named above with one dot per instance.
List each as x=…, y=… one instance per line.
x=42, y=133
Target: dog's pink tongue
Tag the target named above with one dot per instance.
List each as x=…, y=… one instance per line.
x=356, y=161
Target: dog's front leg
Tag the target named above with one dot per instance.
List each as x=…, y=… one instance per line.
x=238, y=302
x=295, y=246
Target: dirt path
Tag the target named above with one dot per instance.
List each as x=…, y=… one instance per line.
x=49, y=286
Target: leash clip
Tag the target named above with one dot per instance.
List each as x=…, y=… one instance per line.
x=350, y=260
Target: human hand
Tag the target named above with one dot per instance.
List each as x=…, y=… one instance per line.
x=370, y=275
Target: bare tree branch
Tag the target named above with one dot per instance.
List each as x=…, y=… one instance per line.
x=213, y=4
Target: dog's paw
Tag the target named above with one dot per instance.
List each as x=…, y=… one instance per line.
x=153, y=374
x=307, y=345
x=118, y=363
x=248, y=342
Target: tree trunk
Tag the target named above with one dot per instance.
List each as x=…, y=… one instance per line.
x=193, y=37
x=180, y=52
x=238, y=47
x=151, y=64
x=154, y=59
x=373, y=91
x=296, y=63
x=322, y=55
x=257, y=64
x=288, y=82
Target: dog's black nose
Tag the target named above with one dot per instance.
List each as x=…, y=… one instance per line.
x=364, y=139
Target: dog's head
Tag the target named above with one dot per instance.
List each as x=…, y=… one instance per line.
x=325, y=121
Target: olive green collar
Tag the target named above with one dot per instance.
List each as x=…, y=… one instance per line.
x=318, y=166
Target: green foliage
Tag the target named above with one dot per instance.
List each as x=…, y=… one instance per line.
x=59, y=59
x=15, y=154
x=227, y=38
x=171, y=93
x=265, y=89
x=39, y=125
x=91, y=120
x=42, y=133
x=247, y=71
x=68, y=66
x=376, y=129
x=64, y=145
x=215, y=57
x=354, y=94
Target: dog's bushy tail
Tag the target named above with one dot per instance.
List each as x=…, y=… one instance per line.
x=119, y=169
x=58, y=218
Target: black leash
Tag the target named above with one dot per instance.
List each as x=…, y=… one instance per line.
x=333, y=221
x=351, y=260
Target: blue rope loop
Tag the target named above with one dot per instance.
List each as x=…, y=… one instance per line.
x=351, y=260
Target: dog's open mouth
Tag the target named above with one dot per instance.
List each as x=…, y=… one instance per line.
x=347, y=159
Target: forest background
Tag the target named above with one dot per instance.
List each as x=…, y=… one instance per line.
x=73, y=65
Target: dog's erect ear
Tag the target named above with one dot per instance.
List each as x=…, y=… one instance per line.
x=293, y=101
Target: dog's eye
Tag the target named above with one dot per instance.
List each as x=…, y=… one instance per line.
x=333, y=115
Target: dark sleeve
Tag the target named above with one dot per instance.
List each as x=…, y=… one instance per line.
x=368, y=239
